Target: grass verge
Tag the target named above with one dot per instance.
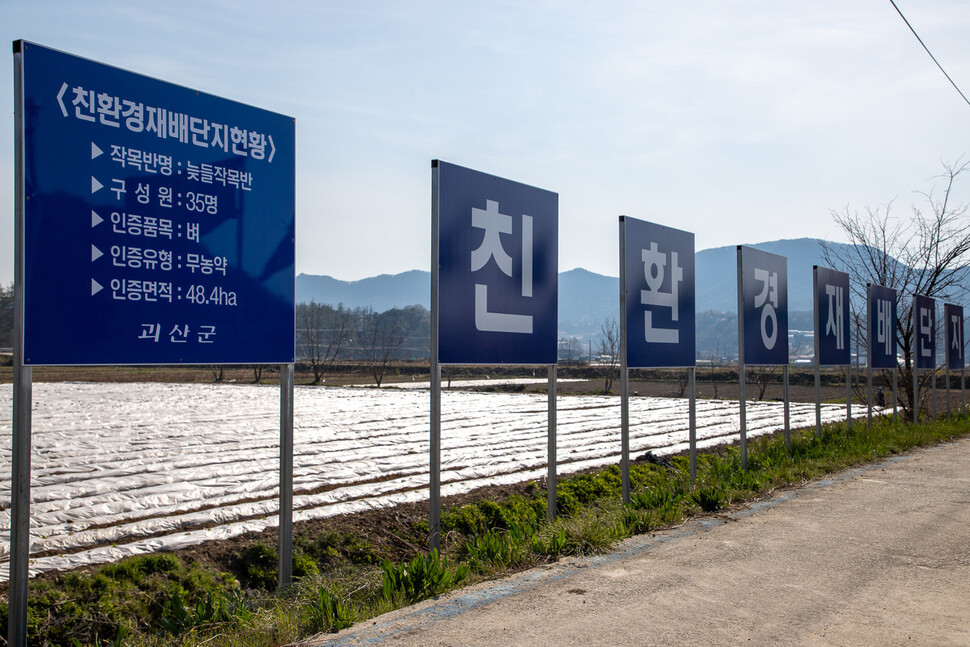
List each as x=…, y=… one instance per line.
x=160, y=600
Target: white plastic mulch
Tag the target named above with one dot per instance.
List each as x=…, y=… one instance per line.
x=125, y=469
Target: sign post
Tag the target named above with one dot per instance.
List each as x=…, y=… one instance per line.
x=159, y=229
x=953, y=336
x=657, y=315
x=762, y=319
x=924, y=346
x=494, y=282
x=881, y=347
x=831, y=291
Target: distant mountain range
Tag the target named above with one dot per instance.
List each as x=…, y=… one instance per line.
x=586, y=299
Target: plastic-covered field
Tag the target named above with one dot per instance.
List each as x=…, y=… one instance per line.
x=124, y=469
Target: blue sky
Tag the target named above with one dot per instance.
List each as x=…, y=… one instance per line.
x=739, y=121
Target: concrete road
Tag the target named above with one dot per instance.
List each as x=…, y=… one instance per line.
x=873, y=556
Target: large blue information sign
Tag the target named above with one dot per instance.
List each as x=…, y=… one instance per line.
x=159, y=221
x=659, y=295
x=763, y=279
x=924, y=330
x=832, y=317
x=882, y=327
x=953, y=315
x=498, y=269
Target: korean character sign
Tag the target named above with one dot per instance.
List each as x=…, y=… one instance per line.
x=924, y=329
x=832, y=317
x=498, y=243
x=953, y=315
x=763, y=317
x=658, y=284
x=882, y=327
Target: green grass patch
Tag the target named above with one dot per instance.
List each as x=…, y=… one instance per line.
x=342, y=579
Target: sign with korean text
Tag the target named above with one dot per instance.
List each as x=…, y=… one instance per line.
x=763, y=280
x=159, y=221
x=659, y=291
x=953, y=315
x=882, y=327
x=832, y=317
x=498, y=269
x=924, y=331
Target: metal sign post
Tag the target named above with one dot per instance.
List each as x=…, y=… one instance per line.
x=286, y=475
x=494, y=290
x=832, y=334
x=657, y=313
x=163, y=219
x=762, y=318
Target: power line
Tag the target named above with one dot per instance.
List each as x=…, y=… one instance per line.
x=929, y=52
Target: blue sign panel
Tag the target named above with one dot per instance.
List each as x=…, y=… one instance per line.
x=159, y=221
x=659, y=288
x=764, y=315
x=832, y=317
x=924, y=330
x=953, y=315
x=882, y=327
x=498, y=269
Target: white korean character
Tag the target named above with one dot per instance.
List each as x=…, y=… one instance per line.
x=118, y=186
x=148, y=159
x=257, y=145
x=133, y=157
x=118, y=289
x=654, y=269
x=206, y=334
x=219, y=177
x=200, y=131
x=247, y=181
x=83, y=102
x=220, y=262
x=956, y=335
x=150, y=258
x=133, y=257
x=165, y=291
x=151, y=226
x=206, y=173
x=178, y=126
x=118, y=256
x=240, y=139
x=150, y=331
x=118, y=154
x=165, y=228
x=179, y=334
x=192, y=262
x=192, y=172
x=211, y=204
x=165, y=196
x=165, y=260
x=134, y=114
x=192, y=231
x=157, y=122
x=164, y=163
x=884, y=324
x=134, y=289
x=220, y=136
x=767, y=299
x=205, y=265
x=134, y=224
x=835, y=320
x=142, y=192
x=495, y=223
x=109, y=110
x=118, y=222
x=232, y=177
x=150, y=290
x=926, y=332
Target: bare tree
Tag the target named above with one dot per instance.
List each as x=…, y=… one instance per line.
x=380, y=337
x=715, y=358
x=925, y=254
x=321, y=333
x=763, y=377
x=609, y=350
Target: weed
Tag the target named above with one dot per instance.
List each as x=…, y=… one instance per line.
x=710, y=499
x=421, y=578
x=329, y=612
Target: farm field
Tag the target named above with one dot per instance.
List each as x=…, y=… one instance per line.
x=127, y=468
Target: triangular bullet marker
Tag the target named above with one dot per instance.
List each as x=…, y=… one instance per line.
x=95, y=219
x=95, y=151
x=95, y=185
x=95, y=253
x=95, y=287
